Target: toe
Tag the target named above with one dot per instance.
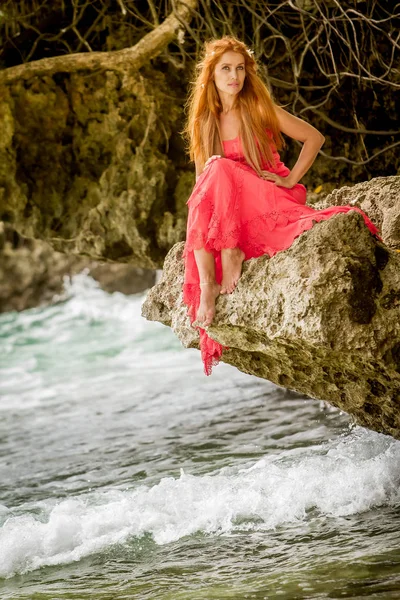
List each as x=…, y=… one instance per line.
x=199, y=319
x=210, y=317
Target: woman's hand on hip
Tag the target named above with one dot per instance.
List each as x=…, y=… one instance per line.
x=210, y=160
x=285, y=182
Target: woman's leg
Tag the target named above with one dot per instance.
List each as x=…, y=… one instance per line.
x=232, y=260
x=209, y=288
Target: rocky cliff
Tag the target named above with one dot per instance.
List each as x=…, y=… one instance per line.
x=321, y=318
x=92, y=163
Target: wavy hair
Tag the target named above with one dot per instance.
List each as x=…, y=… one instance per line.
x=254, y=103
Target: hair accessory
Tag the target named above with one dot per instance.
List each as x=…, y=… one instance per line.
x=249, y=52
x=202, y=85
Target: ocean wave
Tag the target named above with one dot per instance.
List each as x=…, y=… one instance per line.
x=352, y=475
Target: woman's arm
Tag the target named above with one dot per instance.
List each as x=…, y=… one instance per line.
x=304, y=132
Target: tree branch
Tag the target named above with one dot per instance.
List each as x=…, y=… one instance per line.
x=128, y=58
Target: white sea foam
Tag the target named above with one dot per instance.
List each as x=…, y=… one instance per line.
x=85, y=322
x=88, y=301
x=82, y=301
x=354, y=474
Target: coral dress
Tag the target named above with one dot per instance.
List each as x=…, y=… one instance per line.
x=231, y=206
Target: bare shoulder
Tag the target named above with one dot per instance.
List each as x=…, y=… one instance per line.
x=294, y=127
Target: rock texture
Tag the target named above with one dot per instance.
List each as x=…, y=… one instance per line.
x=32, y=273
x=379, y=198
x=90, y=162
x=321, y=318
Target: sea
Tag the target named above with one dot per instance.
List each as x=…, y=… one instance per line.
x=126, y=473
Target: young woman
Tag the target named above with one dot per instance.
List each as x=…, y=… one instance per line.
x=245, y=202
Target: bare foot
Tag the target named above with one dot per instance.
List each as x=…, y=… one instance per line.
x=206, y=311
x=232, y=259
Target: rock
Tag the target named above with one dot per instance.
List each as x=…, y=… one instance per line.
x=32, y=273
x=113, y=277
x=379, y=198
x=321, y=318
x=91, y=162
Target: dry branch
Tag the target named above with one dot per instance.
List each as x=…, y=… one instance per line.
x=129, y=58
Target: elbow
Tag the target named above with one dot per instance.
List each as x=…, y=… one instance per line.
x=316, y=140
x=321, y=140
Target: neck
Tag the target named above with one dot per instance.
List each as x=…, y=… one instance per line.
x=227, y=103
x=226, y=110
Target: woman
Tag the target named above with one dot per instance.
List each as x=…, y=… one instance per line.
x=245, y=202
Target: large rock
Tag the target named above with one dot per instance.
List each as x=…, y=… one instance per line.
x=90, y=162
x=321, y=318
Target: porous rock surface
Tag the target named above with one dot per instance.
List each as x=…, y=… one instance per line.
x=321, y=318
x=379, y=198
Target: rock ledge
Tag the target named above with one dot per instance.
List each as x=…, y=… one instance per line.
x=321, y=318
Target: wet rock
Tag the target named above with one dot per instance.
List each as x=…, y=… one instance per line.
x=321, y=318
x=32, y=273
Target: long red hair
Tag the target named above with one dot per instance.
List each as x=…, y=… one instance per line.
x=254, y=103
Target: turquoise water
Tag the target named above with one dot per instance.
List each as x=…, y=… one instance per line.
x=126, y=473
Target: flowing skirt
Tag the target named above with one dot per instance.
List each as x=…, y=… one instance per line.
x=232, y=207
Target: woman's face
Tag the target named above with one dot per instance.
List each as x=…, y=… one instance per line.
x=229, y=72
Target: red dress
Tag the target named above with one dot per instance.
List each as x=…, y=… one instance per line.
x=231, y=206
